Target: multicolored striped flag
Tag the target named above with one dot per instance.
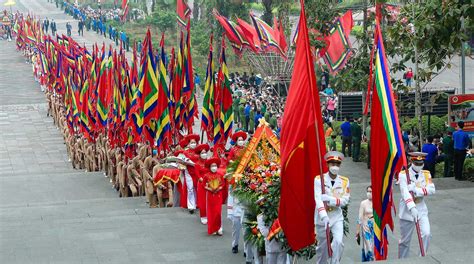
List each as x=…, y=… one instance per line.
x=178, y=87
x=148, y=88
x=387, y=150
x=270, y=38
x=102, y=90
x=207, y=118
x=226, y=111
x=163, y=121
x=188, y=83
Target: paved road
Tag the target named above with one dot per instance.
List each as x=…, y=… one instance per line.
x=50, y=213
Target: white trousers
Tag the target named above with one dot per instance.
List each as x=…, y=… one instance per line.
x=190, y=187
x=236, y=227
x=276, y=257
x=406, y=232
x=251, y=254
x=337, y=230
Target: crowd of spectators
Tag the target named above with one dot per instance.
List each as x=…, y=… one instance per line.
x=97, y=20
x=253, y=100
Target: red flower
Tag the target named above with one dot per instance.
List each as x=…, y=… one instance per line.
x=254, y=231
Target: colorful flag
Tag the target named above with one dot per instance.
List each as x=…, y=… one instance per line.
x=233, y=32
x=207, y=119
x=269, y=37
x=226, y=112
x=163, y=126
x=250, y=35
x=388, y=154
x=188, y=83
x=124, y=9
x=183, y=12
x=102, y=90
x=302, y=146
x=177, y=87
x=339, y=49
x=148, y=88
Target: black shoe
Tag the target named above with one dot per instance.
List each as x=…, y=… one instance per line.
x=191, y=211
x=235, y=249
x=245, y=255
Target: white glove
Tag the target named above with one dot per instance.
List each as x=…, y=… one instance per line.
x=414, y=213
x=325, y=220
x=411, y=187
x=326, y=197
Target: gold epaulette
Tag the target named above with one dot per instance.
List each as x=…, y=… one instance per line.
x=344, y=178
x=317, y=176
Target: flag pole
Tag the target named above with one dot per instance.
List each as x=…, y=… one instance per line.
x=417, y=222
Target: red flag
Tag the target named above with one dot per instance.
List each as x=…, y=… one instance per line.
x=183, y=12
x=302, y=147
x=250, y=34
x=347, y=22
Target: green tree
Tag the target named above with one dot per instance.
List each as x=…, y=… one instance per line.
x=428, y=35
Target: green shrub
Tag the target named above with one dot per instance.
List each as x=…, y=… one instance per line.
x=468, y=168
x=437, y=125
x=439, y=169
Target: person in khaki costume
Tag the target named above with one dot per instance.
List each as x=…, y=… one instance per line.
x=121, y=178
x=165, y=193
x=79, y=149
x=133, y=177
x=114, y=157
x=70, y=143
x=90, y=157
x=148, y=172
x=101, y=143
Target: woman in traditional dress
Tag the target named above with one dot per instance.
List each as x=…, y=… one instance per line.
x=214, y=183
x=365, y=227
x=201, y=170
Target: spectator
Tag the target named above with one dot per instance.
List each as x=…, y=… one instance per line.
x=461, y=145
x=68, y=29
x=247, y=116
x=346, y=137
x=324, y=79
x=329, y=91
x=332, y=142
x=258, y=116
x=367, y=138
x=432, y=152
x=408, y=76
x=80, y=28
x=448, y=151
x=139, y=47
x=197, y=82
x=331, y=106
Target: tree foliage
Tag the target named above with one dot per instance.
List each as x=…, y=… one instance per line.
x=434, y=27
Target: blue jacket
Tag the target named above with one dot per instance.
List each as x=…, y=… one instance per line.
x=247, y=110
x=432, y=152
x=346, y=129
x=257, y=117
x=461, y=140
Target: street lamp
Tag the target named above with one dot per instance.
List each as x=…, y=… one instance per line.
x=429, y=110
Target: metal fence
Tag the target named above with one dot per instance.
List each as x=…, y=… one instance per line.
x=350, y=104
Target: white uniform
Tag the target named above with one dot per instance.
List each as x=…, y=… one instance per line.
x=339, y=196
x=273, y=248
x=186, y=177
x=235, y=214
x=421, y=186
